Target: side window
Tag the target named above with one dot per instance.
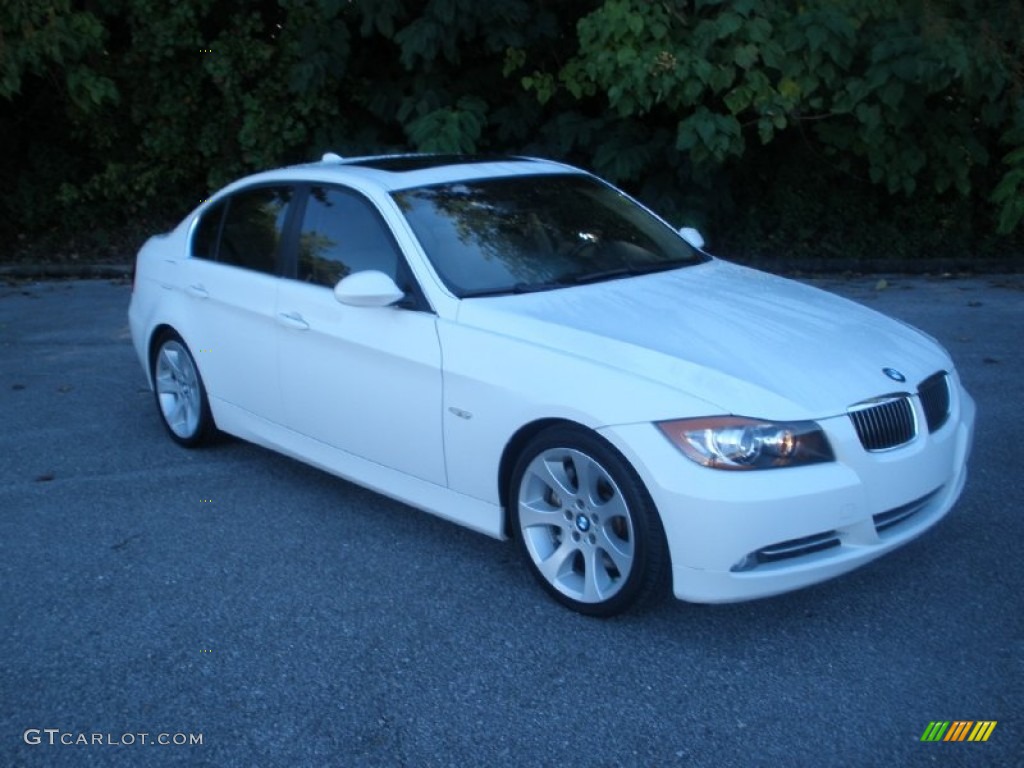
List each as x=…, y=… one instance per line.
x=204, y=236
x=252, y=228
x=341, y=234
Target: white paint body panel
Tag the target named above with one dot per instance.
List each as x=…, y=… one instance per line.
x=366, y=380
x=747, y=342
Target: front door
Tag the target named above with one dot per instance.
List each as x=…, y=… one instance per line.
x=366, y=380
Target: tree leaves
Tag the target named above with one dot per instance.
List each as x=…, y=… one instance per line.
x=157, y=101
x=450, y=129
x=893, y=87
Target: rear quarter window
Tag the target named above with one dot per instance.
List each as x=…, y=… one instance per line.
x=206, y=232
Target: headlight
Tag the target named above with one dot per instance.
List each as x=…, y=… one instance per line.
x=734, y=442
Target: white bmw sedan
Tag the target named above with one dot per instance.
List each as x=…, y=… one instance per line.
x=518, y=347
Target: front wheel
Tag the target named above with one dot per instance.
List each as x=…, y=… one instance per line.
x=180, y=394
x=585, y=523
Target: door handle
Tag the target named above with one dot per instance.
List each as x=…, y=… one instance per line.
x=292, y=320
x=198, y=291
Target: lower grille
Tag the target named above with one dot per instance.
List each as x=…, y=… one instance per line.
x=818, y=542
x=897, y=515
x=797, y=547
x=784, y=550
x=934, y=395
x=884, y=423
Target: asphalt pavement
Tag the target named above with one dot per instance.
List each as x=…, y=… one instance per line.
x=283, y=617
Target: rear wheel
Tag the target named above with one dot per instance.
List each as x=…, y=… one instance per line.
x=180, y=394
x=585, y=523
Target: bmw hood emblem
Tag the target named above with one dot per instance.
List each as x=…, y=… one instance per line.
x=895, y=375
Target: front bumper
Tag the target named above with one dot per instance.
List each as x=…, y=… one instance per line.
x=742, y=535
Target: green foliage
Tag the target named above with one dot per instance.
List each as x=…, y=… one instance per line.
x=913, y=95
x=450, y=129
x=1009, y=192
x=47, y=38
x=116, y=110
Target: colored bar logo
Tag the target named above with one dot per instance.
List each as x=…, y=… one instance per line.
x=958, y=730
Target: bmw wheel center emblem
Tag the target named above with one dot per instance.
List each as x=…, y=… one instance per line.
x=895, y=375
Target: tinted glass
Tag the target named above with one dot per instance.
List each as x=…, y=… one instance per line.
x=252, y=228
x=342, y=233
x=537, y=232
x=204, y=238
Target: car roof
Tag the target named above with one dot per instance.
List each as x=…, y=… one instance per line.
x=405, y=171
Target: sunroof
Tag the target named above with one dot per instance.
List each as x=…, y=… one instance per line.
x=401, y=163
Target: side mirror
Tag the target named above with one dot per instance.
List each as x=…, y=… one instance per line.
x=692, y=236
x=369, y=288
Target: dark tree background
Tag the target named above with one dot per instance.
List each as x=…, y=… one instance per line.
x=825, y=129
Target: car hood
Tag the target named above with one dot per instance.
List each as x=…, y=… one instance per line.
x=744, y=341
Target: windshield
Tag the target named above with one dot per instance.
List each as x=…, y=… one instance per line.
x=527, y=233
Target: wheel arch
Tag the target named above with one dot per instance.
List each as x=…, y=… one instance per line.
x=510, y=455
x=154, y=340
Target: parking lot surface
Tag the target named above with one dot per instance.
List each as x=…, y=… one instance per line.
x=288, y=618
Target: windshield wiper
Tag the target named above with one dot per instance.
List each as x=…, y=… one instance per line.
x=511, y=289
x=611, y=274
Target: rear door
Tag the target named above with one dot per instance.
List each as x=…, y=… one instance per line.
x=233, y=283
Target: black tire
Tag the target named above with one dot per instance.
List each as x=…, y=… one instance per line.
x=585, y=523
x=180, y=393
